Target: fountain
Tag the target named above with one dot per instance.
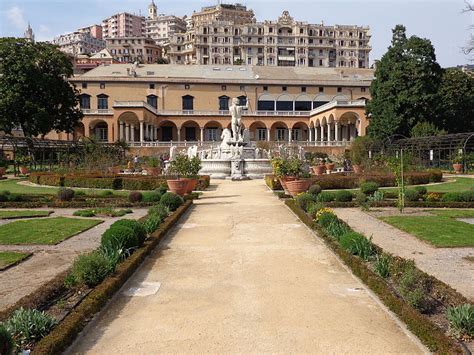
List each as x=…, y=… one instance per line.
x=235, y=157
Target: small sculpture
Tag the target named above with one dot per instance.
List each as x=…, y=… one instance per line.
x=172, y=153
x=226, y=138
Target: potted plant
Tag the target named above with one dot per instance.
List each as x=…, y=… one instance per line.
x=360, y=153
x=280, y=170
x=153, y=166
x=178, y=167
x=193, y=166
x=458, y=161
x=298, y=185
x=329, y=165
x=23, y=161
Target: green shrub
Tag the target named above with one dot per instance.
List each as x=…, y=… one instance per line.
x=7, y=346
x=336, y=229
x=326, y=218
x=84, y=213
x=171, y=200
x=343, y=196
x=357, y=244
x=313, y=208
x=119, y=237
x=382, y=265
x=412, y=195
x=467, y=196
x=304, y=199
x=135, y=196
x=325, y=196
x=90, y=269
x=452, y=197
x=161, y=189
x=137, y=228
x=412, y=288
x=461, y=320
x=28, y=325
x=422, y=190
x=65, y=194
x=106, y=193
x=159, y=211
x=360, y=198
x=315, y=189
x=152, y=196
x=152, y=223
x=369, y=187
x=79, y=193
x=435, y=175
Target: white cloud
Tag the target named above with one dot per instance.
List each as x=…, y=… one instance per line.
x=16, y=18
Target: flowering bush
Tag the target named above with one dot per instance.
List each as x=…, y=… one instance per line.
x=323, y=211
x=433, y=196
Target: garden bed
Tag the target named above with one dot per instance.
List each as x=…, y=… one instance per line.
x=352, y=181
x=430, y=327
x=112, y=182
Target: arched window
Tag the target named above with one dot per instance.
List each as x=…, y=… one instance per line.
x=266, y=103
x=284, y=103
x=223, y=103
x=85, y=101
x=102, y=102
x=152, y=100
x=188, y=102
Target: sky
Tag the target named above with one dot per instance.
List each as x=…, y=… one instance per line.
x=440, y=21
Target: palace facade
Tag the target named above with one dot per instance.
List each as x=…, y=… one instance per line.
x=153, y=105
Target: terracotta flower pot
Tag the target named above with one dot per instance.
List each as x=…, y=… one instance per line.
x=2, y=171
x=24, y=170
x=318, y=169
x=154, y=171
x=296, y=187
x=283, y=181
x=330, y=166
x=457, y=168
x=178, y=186
x=357, y=168
x=191, y=184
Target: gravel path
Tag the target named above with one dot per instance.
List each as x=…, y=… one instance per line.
x=49, y=260
x=446, y=264
x=241, y=274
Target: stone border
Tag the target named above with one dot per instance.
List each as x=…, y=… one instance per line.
x=66, y=332
x=427, y=332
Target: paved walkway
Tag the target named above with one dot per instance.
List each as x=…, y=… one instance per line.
x=242, y=275
x=446, y=264
x=49, y=260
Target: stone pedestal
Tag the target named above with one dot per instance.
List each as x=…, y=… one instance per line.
x=237, y=170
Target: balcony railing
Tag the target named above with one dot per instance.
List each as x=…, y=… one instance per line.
x=216, y=143
x=338, y=103
x=87, y=111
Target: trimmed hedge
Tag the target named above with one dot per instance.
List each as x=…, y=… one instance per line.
x=66, y=332
x=428, y=332
x=110, y=182
x=353, y=181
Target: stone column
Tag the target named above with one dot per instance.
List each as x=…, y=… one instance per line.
x=142, y=132
x=202, y=135
x=336, y=131
x=132, y=133
x=321, y=137
x=290, y=132
x=121, y=131
x=127, y=133
x=310, y=137
x=179, y=134
x=329, y=132
x=316, y=134
x=268, y=135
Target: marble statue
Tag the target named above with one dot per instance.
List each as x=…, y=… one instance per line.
x=172, y=153
x=236, y=113
x=192, y=151
x=226, y=138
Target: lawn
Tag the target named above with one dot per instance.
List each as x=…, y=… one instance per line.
x=8, y=258
x=453, y=213
x=457, y=185
x=438, y=231
x=23, y=214
x=13, y=186
x=44, y=231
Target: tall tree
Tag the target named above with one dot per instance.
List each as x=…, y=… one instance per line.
x=456, y=101
x=404, y=90
x=34, y=92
